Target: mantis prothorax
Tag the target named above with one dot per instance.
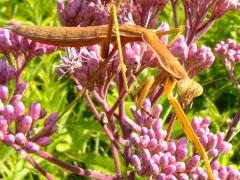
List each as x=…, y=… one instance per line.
x=85, y=36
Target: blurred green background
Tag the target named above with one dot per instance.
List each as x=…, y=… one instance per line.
x=80, y=140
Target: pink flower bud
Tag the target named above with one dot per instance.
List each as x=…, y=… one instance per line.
x=170, y=169
x=180, y=48
x=156, y=158
x=181, y=154
x=3, y=93
x=157, y=124
x=1, y=136
x=156, y=111
x=136, y=162
x=25, y=124
x=144, y=131
x=200, y=132
x=215, y=165
x=154, y=169
x=224, y=147
x=51, y=119
x=222, y=172
x=9, y=139
x=171, y=177
x=151, y=133
x=192, y=51
x=20, y=138
x=35, y=111
x=193, y=162
x=171, y=159
x=146, y=155
x=183, y=176
x=20, y=88
x=134, y=139
x=161, y=176
x=220, y=137
x=180, y=167
x=32, y=147
x=182, y=143
x=206, y=120
x=172, y=147
x=19, y=109
x=144, y=141
x=8, y=113
x=195, y=123
x=213, y=153
x=15, y=99
x=147, y=105
x=233, y=174
x=164, y=27
x=163, y=161
x=152, y=144
x=204, y=140
x=3, y=125
x=53, y=129
x=1, y=107
x=212, y=141
x=43, y=113
x=44, y=141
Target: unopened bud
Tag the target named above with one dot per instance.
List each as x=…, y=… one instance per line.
x=25, y=124
x=44, y=141
x=35, y=111
x=3, y=93
x=9, y=139
x=20, y=138
x=32, y=147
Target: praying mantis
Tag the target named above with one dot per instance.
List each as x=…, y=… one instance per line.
x=121, y=34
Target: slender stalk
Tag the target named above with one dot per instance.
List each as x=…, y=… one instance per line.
x=32, y=162
x=102, y=123
x=170, y=126
x=74, y=169
x=232, y=127
x=116, y=162
x=173, y=3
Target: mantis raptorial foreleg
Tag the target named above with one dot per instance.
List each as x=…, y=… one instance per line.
x=143, y=91
x=188, y=130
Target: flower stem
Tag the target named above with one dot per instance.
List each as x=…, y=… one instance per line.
x=232, y=127
x=32, y=162
x=74, y=169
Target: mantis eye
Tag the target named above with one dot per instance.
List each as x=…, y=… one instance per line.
x=188, y=89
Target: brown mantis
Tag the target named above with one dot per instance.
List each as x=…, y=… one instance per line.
x=85, y=36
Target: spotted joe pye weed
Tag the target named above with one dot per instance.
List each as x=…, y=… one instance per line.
x=146, y=146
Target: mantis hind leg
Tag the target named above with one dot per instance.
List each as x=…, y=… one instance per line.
x=188, y=130
x=116, y=28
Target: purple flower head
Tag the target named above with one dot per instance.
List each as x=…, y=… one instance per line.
x=145, y=12
x=229, y=52
x=202, y=14
x=83, y=13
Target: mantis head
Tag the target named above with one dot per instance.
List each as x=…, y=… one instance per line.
x=188, y=89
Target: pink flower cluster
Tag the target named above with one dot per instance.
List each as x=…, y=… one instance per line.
x=7, y=72
x=213, y=143
x=152, y=156
x=21, y=47
x=23, y=132
x=230, y=51
x=145, y=12
x=193, y=59
x=222, y=172
x=200, y=15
